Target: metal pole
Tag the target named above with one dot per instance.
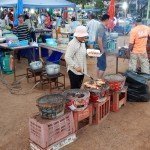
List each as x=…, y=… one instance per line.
x=136, y=6
x=125, y=24
x=148, y=10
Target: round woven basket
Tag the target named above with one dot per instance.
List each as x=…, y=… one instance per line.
x=115, y=81
x=51, y=106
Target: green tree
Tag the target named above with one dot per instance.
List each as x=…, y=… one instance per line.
x=99, y=4
x=82, y=2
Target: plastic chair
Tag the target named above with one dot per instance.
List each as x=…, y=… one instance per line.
x=55, y=57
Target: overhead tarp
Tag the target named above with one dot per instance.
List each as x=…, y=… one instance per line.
x=38, y=3
x=8, y=3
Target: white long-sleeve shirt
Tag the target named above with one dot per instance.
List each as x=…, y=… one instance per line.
x=75, y=56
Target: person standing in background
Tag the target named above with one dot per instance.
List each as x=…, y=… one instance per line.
x=57, y=24
x=48, y=21
x=27, y=21
x=101, y=44
x=73, y=25
x=22, y=32
x=92, y=28
x=137, y=47
x=31, y=28
x=2, y=21
x=6, y=17
x=10, y=17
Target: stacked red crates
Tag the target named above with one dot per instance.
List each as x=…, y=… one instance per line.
x=45, y=132
x=101, y=110
x=80, y=116
x=118, y=99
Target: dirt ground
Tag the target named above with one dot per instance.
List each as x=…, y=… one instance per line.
x=129, y=129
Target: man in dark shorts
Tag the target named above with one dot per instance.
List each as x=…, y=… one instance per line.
x=101, y=44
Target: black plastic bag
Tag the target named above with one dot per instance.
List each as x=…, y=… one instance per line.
x=132, y=97
x=137, y=91
x=138, y=86
x=137, y=78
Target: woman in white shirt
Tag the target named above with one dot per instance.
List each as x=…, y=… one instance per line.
x=75, y=57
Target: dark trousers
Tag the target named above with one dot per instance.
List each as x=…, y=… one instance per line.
x=75, y=80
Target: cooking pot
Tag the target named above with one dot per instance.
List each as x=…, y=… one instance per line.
x=52, y=69
x=36, y=65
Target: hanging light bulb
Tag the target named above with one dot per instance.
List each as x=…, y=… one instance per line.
x=125, y=5
x=32, y=11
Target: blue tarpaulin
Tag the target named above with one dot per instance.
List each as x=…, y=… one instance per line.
x=38, y=3
x=19, y=10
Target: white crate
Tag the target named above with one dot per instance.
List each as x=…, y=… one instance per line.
x=56, y=146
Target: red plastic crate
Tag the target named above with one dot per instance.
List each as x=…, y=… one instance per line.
x=45, y=132
x=81, y=116
x=118, y=99
x=101, y=110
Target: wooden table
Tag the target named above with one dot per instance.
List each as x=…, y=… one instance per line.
x=5, y=48
x=60, y=48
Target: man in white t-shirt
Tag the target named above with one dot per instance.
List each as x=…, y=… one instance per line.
x=92, y=28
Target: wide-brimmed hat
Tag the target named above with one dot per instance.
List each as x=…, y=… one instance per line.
x=81, y=31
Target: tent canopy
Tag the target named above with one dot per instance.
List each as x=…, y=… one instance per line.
x=38, y=3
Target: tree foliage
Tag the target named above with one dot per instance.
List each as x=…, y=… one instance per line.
x=82, y=2
x=99, y=4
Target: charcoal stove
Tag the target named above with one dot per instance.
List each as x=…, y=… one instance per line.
x=51, y=106
x=54, y=81
x=115, y=81
x=98, y=90
x=77, y=99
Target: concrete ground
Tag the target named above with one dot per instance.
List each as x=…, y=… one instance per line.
x=129, y=129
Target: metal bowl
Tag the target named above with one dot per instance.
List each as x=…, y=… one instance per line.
x=36, y=65
x=52, y=69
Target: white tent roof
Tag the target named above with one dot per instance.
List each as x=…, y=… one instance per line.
x=38, y=3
